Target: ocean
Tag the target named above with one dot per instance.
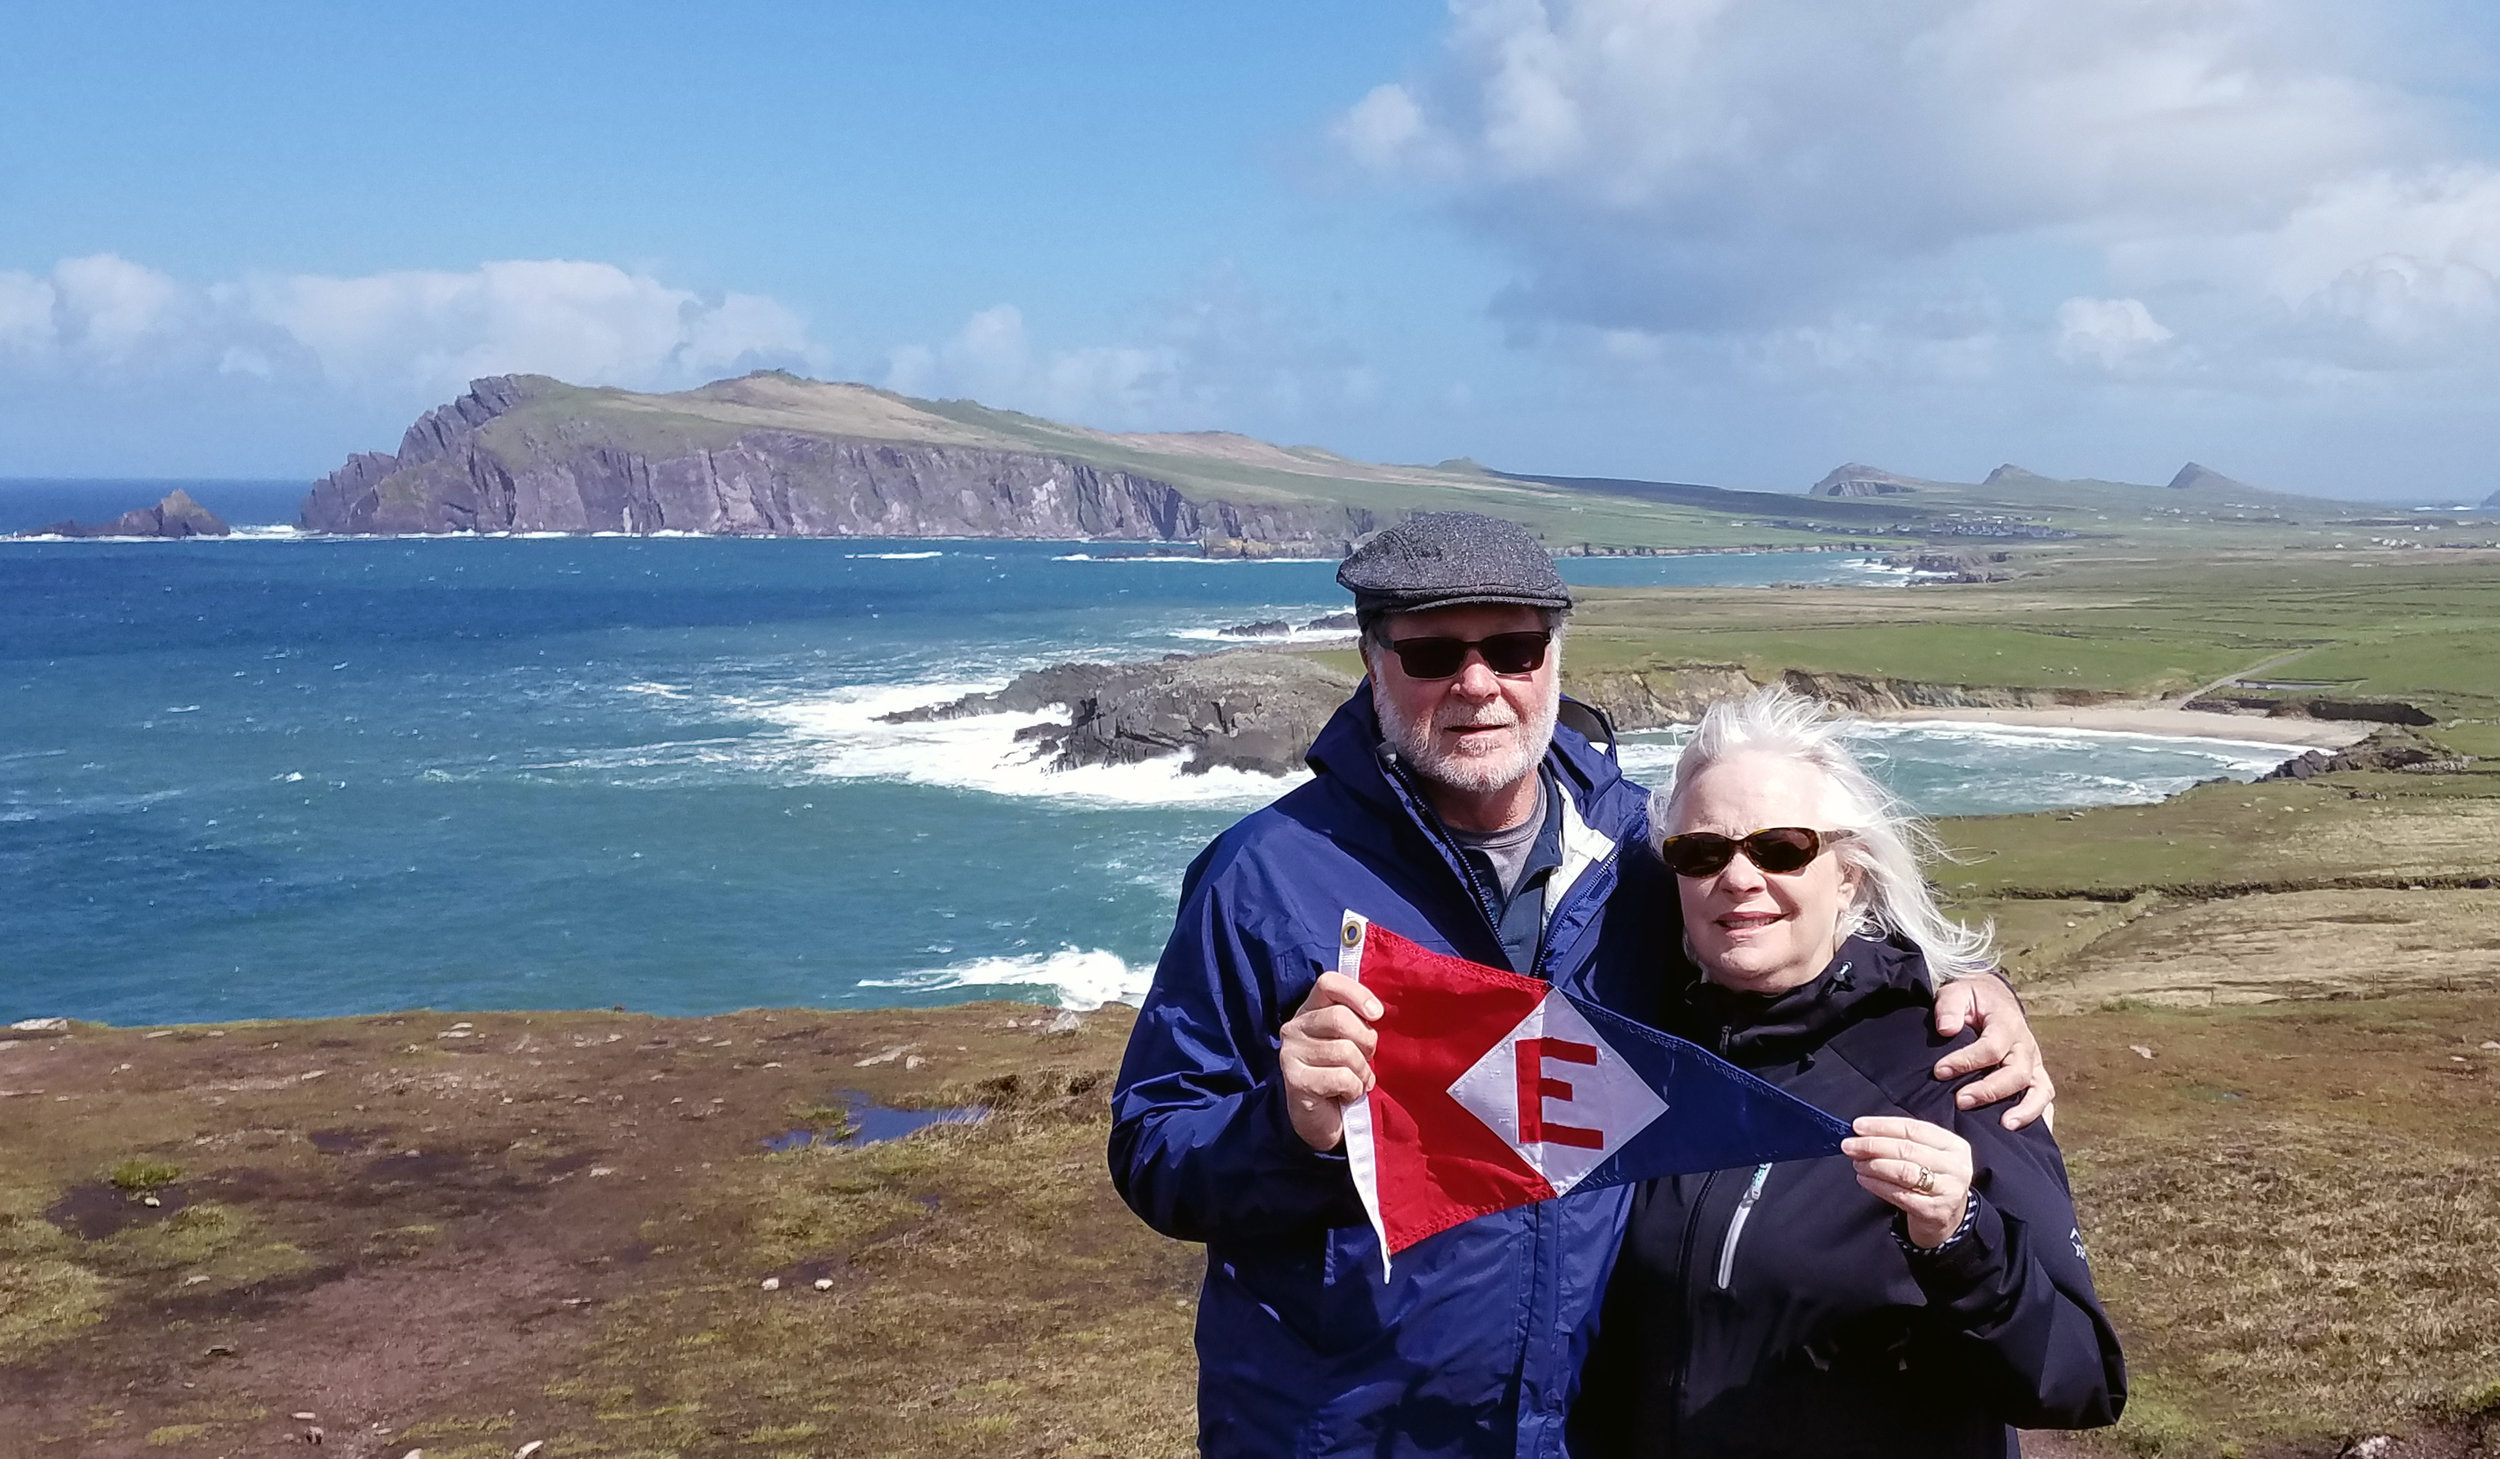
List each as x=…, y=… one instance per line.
x=279, y=776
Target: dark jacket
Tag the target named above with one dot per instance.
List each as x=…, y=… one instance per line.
x=1474, y=1346
x=1772, y=1311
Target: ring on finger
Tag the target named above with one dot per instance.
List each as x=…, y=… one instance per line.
x=1926, y=1182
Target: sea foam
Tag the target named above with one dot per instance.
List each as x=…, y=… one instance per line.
x=1084, y=978
x=841, y=735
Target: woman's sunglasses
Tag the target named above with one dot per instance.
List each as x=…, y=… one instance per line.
x=1443, y=658
x=1781, y=850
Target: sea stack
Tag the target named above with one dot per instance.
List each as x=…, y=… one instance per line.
x=176, y=516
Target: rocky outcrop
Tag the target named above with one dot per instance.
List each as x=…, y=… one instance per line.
x=1242, y=711
x=176, y=516
x=456, y=471
x=2361, y=711
x=2387, y=749
x=1856, y=478
x=1953, y=567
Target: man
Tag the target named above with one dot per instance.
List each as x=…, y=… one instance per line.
x=1450, y=809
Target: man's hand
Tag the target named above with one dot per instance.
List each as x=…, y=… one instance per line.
x=1326, y=1057
x=2005, y=1044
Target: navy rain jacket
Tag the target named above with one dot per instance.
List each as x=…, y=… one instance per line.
x=1473, y=1347
x=1771, y=1312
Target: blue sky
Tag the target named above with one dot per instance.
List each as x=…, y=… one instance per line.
x=1690, y=239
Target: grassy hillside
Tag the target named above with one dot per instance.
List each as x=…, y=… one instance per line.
x=1601, y=513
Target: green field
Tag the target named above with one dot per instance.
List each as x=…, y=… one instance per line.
x=2410, y=626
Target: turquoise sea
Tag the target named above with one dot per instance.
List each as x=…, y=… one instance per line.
x=279, y=775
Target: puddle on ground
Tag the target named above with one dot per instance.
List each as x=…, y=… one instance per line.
x=93, y=1210
x=866, y=1122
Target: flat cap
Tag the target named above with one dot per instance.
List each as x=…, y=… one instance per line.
x=1443, y=559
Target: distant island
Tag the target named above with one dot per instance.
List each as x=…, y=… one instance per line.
x=175, y=516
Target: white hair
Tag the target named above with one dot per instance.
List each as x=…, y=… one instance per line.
x=1886, y=843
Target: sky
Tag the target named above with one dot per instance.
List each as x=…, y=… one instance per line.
x=1728, y=241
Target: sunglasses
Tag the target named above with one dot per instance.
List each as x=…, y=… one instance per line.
x=1443, y=658
x=1781, y=850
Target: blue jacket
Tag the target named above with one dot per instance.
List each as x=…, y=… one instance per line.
x=1473, y=1346
x=1771, y=1312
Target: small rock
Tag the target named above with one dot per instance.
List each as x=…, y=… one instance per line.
x=2141, y=1051
x=313, y=1437
x=2372, y=1447
x=884, y=1056
x=464, y=1025
x=150, y=1201
x=195, y=1280
x=598, y=1172
x=2491, y=1043
x=303, y=1418
x=221, y=1350
x=40, y=1027
x=1068, y=1021
x=913, y=1061
x=526, y=1450
x=772, y=1284
x=824, y=1284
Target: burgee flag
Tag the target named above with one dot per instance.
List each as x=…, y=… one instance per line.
x=1491, y=1090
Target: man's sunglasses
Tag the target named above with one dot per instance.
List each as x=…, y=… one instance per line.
x=1443, y=658
x=1781, y=850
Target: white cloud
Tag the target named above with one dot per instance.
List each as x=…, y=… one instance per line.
x=112, y=308
x=2109, y=333
x=421, y=332
x=591, y=323
x=1775, y=174
x=26, y=305
x=1220, y=358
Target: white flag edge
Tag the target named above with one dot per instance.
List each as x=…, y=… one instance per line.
x=1361, y=1157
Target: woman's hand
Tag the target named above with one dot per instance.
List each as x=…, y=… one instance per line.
x=1924, y=1169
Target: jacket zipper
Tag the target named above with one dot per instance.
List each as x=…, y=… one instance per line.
x=1684, y=1339
x=1420, y=810
x=1736, y=1225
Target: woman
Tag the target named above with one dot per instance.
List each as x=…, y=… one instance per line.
x=1925, y=1291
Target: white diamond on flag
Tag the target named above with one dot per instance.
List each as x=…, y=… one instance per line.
x=1558, y=1094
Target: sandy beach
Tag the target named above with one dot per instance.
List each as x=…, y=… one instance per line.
x=2149, y=718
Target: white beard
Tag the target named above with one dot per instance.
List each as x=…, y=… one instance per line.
x=1479, y=772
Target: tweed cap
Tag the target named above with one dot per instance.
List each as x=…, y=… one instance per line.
x=1443, y=559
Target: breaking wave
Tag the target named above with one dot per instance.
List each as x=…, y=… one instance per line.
x=1083, y=978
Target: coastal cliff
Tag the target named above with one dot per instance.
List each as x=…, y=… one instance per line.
x=490, y=462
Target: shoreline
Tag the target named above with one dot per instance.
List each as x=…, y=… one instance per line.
x=2142, y=718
